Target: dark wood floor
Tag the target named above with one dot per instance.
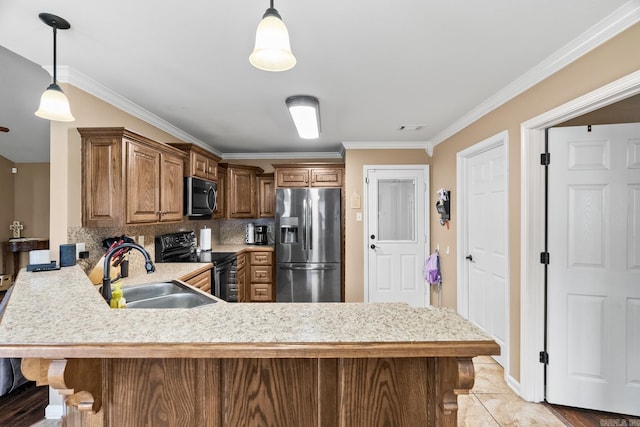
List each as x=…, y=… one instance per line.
x=24, y=406
x=576, y=417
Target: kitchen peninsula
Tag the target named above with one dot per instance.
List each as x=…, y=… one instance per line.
x=332, y=364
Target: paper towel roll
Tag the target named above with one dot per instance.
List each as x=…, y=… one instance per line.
x=205, y=239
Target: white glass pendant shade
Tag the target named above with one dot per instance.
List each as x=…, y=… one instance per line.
x=305, y=112
x=272, y=51
x=54, y=105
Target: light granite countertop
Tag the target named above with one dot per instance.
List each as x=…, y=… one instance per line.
x=241, y=248
x=60, y=314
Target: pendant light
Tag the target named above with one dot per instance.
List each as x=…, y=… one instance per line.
x=272, y=51
x=54, y=105
x=305, y=112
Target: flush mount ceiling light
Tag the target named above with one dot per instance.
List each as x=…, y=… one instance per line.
x=305, y=112
x=272, y=51
x=54, y=105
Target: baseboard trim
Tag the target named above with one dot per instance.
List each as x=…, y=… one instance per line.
x=513, y=384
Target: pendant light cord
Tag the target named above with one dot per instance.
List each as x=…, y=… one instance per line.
x=55, y=50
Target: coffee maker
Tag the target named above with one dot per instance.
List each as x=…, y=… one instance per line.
x=261, y=235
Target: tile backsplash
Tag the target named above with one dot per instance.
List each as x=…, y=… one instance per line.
x=223, y=231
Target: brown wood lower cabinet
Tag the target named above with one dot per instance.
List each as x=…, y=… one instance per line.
x=306, y=392
x=257, y=285
x=200, y=280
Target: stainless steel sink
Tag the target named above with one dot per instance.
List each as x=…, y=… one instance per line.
x=182, y=300
x=172, y=294
x=151, y=290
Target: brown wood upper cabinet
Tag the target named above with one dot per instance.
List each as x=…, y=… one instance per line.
x=241, y=191
x=266, y=196
x=200, y=163
x=129, y=179
x=221, y=204
x=309, y=175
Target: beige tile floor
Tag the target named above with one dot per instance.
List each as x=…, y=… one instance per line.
x=491, y=403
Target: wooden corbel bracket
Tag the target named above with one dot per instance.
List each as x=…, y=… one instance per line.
x=457, y=377
x=80, y=380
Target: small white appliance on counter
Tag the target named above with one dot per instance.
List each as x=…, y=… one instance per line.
x=250, y=234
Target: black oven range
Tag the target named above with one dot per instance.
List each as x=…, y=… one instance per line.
x=182, y=247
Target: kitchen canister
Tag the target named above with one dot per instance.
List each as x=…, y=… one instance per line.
x=205, y=239
x=67, y=255
x=250, y=234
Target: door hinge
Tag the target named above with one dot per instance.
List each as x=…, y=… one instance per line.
x=366, y=179
x=545, y=159
x=544, y=258
x=544, y=357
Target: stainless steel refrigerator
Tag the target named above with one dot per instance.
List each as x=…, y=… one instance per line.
x=308, y=243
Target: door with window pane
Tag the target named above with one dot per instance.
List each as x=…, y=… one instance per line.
x=396, y=235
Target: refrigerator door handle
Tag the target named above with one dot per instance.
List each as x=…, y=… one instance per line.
x=310, y=225
x=306, y=267
x=304, y=226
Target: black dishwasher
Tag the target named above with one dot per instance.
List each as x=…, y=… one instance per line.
x=225, y=275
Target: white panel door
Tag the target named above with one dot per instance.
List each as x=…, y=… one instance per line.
x=593, y=296
x=396, y=235
x=486, y=241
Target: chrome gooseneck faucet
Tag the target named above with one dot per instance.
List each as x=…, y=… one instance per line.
x=106, y=278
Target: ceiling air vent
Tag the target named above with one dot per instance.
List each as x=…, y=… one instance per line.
x=410, y=128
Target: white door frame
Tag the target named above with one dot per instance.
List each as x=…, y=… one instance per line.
x=532, y=224
x=365, y=204
x=499, y=140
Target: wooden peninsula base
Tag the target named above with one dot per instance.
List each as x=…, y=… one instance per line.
x=240, y=365
x=352, y=392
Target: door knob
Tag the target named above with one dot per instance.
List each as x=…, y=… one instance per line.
x=373, y=236
x=373, y=246
x=470, y=258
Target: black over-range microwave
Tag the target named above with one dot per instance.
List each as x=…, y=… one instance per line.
x=199, y=196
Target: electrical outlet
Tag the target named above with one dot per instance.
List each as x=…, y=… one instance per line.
x=79, y=248
x=140, y=240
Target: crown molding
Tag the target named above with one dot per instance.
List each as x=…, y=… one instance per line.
x=74, y=77
x=612, y=25
x=429, y=148
x=286, y=155
x=384, y=145
x=81, y=81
